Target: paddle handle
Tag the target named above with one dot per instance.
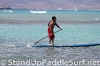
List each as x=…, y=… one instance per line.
x=44, y=38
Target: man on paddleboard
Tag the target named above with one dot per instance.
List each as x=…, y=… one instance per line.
x=51, y=25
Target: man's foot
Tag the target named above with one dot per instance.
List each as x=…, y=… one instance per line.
x=53, y=44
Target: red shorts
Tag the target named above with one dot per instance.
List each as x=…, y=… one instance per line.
x=49, y=32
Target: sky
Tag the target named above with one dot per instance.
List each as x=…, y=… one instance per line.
x=51, y=4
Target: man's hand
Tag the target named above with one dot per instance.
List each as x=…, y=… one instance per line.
x=51, y=34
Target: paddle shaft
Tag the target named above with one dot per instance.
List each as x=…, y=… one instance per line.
x=44, y=38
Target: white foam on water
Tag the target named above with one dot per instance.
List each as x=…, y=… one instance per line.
x=97, y=19
x=8, y=11
x=29, y=45
x=39, y=12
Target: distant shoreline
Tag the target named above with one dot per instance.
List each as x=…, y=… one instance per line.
x=6, y=7
x=50, y=9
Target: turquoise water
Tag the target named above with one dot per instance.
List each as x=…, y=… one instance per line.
x=19, y=28
x=63, y=16
x=72, y=34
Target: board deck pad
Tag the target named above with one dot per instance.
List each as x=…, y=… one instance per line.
x=64, y=45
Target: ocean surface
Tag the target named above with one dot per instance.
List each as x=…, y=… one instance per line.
x=21, y=28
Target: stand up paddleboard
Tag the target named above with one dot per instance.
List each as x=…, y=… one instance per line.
x=65, y=45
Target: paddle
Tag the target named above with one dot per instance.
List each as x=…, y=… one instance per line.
x=44, y=38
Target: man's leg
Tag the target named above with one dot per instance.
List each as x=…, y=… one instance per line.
x=50, y=41
x=53, y=41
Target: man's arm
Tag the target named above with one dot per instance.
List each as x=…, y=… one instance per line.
x=51, y=27
x=58, y=26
